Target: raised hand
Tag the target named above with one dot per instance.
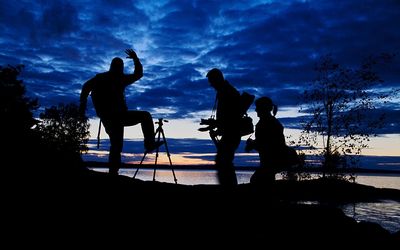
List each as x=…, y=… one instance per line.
x=131, y=53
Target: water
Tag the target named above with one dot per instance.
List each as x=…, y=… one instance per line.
x=194, y=177
x=386, y=213
x=379, y=180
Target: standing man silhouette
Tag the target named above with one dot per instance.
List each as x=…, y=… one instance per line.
x=227, y=120
x=107, y=92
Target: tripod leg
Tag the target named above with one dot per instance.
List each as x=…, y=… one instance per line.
x=139, y=165
x=157, y=150
x=169, y=156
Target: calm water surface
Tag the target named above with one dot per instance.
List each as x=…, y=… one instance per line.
x=193, y=177
x=386, y=213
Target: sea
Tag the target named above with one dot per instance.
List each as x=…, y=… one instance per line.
x=385, y=212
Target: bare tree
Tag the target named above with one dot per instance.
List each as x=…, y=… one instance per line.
x=342, y=102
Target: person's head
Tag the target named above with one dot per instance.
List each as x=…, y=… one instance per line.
x=264, y=105
x=117, y=66
x=215, y=77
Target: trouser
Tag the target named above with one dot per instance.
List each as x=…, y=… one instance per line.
x=270, y=163
x=226, y=148
x=263, y=176
x=114, y=127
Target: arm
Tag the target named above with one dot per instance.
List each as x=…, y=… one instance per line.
x=86, y=89
x=138, y=73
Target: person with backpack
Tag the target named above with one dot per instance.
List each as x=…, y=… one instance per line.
x=227, y=118
x=270, y=143
x=107, y=93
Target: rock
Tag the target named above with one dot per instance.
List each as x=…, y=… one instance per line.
x=94, y=203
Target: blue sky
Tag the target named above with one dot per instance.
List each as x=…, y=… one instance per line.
x=264, y=47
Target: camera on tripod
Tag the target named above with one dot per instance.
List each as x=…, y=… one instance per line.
x=161, y=121
x=158, y=134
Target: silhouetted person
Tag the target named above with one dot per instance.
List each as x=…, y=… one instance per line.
x=227, y=120
x=270, y=143
x=107, y=92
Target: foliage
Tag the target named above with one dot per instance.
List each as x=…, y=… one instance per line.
x=15, y=108
x=340, y=101
x=57, y=139
x=298, y=172
x=64, y=128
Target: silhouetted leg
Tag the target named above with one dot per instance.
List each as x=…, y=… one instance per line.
x=115, y=131
x=265, y=174
x=224, y=160
x=145, y=119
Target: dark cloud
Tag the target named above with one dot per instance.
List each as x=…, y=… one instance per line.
x=390, y=123
x=59, y=18
x=264, y=47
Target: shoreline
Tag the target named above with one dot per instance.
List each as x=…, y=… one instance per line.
x=98, y=164
x=95, y=200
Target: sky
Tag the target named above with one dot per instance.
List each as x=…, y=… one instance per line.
x=268, y=48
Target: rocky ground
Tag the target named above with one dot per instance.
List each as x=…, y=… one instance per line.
x=95, y=205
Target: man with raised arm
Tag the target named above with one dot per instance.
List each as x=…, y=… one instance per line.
x=107, y=92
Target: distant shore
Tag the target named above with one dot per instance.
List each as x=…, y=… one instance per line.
x=98, y=164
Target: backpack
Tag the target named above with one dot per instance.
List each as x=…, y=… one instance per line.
x=246, y=100
x=246, y=123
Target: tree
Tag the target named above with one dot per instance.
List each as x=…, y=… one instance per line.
x=16, y=120
x=341, y=102
x=34, y=147
x=15, y=108
x=62, y=127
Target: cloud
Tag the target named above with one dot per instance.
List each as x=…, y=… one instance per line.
x=264, y=47
x=390, y=121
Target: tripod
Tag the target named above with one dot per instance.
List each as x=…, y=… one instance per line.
x=159, y=132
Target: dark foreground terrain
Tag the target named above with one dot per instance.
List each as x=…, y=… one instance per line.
x=94, y=206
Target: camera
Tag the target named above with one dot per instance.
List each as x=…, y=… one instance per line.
x=250, y=145
x=210, y=122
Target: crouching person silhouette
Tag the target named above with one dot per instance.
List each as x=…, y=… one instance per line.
x=107, y=93
x=270, y=143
